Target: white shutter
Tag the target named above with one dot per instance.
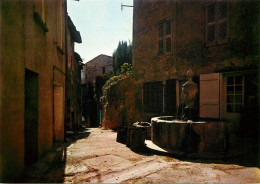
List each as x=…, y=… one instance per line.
x=209, y=95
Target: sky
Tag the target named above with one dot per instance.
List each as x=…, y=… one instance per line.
x=102, y=24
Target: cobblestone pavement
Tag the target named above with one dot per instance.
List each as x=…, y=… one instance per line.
x=94, y=156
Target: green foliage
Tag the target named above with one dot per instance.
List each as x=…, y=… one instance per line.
x=108, y=92
x=126, y=69
x=123, y=54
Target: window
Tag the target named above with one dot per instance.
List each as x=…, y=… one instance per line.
x=165, y=37
x=103, y=70
x=234, y=94
x=153, y=97
x=217, y=22
x=160, y=39
x=225, y=96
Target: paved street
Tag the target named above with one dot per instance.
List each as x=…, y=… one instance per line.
x=94, y=156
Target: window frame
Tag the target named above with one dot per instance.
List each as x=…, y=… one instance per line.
x=217, y=21
x=164, y=37
x=160, y=38
x=225, y=103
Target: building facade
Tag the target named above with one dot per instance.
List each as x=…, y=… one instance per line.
x=73, y=113
x=97, y=66
x=33, y=58
x=216, y=39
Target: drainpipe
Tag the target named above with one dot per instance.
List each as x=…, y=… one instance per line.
x=66, y=69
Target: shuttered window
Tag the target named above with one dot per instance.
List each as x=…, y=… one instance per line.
x=160, y=47
x=217, y=22
x=222, y=9
x=165, y=37
x=168, y=44
x=153, y=97
x=168, y=27
x=222, y=31
x=160, y=38
x=211, y=12
x=211, y=33
x=210, y=95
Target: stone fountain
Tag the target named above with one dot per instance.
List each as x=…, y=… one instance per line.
x=190, y=137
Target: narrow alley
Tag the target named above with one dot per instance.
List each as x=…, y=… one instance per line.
x=93, y=155
x=129, y=91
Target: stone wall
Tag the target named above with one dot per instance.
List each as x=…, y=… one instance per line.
x=189, y=47
x=119, y=109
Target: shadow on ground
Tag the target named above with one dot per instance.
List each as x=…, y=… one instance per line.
x=249, y=156
x=51, y=167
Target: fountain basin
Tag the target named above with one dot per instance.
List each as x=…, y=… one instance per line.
x=205, y=137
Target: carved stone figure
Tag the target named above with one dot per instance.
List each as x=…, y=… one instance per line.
x=189, y=91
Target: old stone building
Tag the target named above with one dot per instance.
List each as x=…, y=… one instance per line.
x=98, y=66
x=33, y=54
x=73, y=101
x=92, y=81
x=216, y=39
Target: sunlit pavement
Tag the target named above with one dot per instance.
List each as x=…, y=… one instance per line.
x=94, y=156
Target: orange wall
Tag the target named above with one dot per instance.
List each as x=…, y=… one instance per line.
x=12, y=64
x=24, y=45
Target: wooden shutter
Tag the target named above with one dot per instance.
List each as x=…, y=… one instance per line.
x=210, y=95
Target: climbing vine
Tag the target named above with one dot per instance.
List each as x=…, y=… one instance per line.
x=108, y=90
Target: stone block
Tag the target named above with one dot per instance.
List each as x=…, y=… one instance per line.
x=121, y=135
x=137, y=138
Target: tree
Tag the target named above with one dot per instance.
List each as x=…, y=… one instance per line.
x=123, y=54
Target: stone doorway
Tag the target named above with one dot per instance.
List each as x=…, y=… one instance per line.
x=31, y=118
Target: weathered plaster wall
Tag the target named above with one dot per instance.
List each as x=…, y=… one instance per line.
x=25, y=45
x=12, y=66
x=36, y=61
x=55, y=55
